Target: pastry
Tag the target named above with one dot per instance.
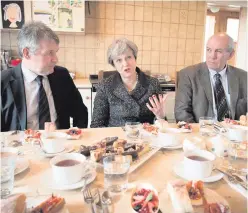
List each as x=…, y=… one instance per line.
x=15, y=203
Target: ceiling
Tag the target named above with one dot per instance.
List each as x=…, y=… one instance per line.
x=228, y=3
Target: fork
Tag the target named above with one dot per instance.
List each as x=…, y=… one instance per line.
x=237, y=180
x=88, y=198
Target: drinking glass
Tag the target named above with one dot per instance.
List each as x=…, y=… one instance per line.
x=207, y=126
x=132, y=131
x=116, y=169
x=8, y=163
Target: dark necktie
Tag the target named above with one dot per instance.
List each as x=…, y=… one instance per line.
x=44, y=113
x=220, y=98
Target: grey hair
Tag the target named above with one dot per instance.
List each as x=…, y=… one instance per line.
x=119, y=47
x=19, y=17
x=31, y=34
x=230, y=47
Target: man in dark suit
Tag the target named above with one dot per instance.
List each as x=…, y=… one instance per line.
x=37, y=91
x=213, y=88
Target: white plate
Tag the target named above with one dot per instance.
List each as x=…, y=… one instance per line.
x=215, y=175
x=142, y=159
x=68, y=148
x=21, y=165
x=210, y=195
x=46, y=179
x=35, y=201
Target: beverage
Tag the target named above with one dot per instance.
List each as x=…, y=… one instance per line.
x=68, y=162
x=116, y=173
x=7, y=174
x=206, y=126
x=197, y=158
x=132, y=130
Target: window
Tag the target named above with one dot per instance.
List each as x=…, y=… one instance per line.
x=232, y=28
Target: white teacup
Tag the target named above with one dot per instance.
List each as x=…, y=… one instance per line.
x=169, y=138
x=69, y=168
x=198, y=164
x=237, y=134
x=53, y=142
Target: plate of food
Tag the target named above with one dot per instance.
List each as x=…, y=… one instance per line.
x=74, y=133
x=140, y=152
x=144, y=199
x=31, y=136
x=192, y=197
x=242, y=123
x=48, y=204
x=239, y=150
x=150, y=129
x=184, y=127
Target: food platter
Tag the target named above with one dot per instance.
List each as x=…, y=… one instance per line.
x=210, y=195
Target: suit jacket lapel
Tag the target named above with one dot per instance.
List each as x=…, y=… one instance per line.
x=204, y=78
x=142, y=85
x=17, y=87
x=233, y=89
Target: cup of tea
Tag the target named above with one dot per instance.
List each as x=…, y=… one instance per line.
x=237, y=134
x=53, y=142
x=69, y=168
x=198, y=164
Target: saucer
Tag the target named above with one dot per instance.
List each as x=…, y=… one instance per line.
x=21, y=165
x=68, y=148
x=173, y=147
x=46, y=179
x=215, y=175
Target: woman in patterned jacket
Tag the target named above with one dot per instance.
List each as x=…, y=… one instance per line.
x=129, y=94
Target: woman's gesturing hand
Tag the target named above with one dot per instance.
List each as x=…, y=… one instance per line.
x=157, y=105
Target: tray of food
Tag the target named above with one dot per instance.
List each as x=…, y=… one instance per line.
x=192, y=197
x=140, y=152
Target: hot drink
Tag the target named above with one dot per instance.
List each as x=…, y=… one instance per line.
x=197, y=158
x=66, y=163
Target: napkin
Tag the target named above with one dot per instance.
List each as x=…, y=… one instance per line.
x=193, y=143
x=237, y=187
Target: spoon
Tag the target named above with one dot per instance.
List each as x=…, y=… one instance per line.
x=106, y=201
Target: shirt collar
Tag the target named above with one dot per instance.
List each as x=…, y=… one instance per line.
x=222, y=72
x=28, y=75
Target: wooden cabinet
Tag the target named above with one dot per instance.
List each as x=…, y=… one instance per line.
x=86, y=95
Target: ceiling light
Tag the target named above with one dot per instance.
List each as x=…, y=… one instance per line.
x=214, y=9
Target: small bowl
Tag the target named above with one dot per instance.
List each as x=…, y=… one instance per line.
x=149, y=187
x=169, y=138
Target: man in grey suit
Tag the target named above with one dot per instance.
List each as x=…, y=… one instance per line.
x=212, y=88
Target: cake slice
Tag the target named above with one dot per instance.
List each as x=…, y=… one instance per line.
x=179, y=196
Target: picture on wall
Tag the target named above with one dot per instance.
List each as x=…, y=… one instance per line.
x=12, y=14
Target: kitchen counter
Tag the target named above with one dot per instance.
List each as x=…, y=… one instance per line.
x=82, y=83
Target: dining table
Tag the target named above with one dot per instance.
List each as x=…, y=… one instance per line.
x=157, y=171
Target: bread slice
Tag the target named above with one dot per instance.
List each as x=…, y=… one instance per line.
x=14, y=204
x=179, y=196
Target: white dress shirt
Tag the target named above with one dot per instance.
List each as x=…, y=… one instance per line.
x=32, y=90
x=224, y=84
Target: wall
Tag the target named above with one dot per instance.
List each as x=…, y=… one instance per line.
x=169, y=35
x=242, y=46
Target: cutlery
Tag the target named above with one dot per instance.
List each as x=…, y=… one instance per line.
x=233, y=178
x=88, y=198
x=106, y=201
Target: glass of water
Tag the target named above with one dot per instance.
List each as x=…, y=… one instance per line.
x=207, y=126
x=132, y=131
x=8, y=164
x=116, y=169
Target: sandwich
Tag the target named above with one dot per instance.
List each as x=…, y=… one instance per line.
x=14, y=204
x=179, y=196
x=195, y=191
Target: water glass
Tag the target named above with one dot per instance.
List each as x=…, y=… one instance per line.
x=132, y=130
x=206, y=126
x=116, y=169
x=8, y=164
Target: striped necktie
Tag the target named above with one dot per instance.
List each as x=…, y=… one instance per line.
x=220, y=98
x=44, y=112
